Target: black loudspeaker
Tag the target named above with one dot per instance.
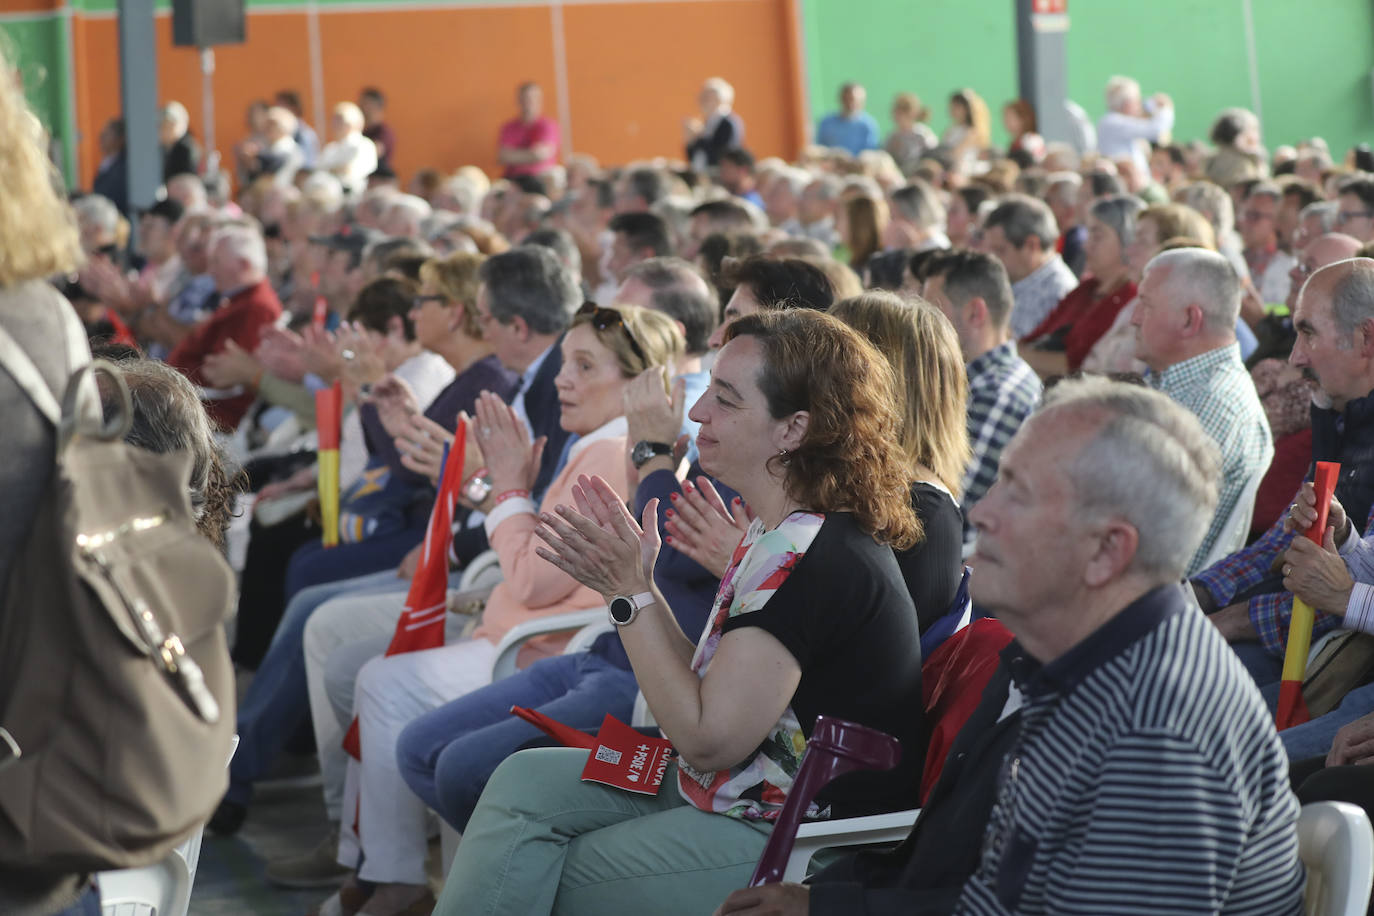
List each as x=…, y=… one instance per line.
x=205, y=23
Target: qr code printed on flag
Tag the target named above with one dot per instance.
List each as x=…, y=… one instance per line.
x=606, y=755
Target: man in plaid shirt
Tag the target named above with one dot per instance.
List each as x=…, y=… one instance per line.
x=1244, y=593
x=973, y=291
x=1185, y=321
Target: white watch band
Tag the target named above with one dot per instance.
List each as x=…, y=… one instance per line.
x=637, y=603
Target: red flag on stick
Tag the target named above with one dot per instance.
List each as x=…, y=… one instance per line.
x=422, y=622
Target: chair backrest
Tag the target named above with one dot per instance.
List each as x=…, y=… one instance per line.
x=1232, y=537
x=1336, y=844
x=836, y=747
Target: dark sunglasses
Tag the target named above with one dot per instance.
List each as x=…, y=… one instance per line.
x=419, y=301
x=604, y=319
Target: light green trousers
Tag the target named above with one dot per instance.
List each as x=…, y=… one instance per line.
x=543, y=841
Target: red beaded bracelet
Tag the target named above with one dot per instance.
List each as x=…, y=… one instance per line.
x=511, y=494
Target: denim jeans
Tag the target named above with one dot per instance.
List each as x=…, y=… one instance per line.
x=1263, y=667
x=447, y=756
x=1314, y=738
x=276, y=703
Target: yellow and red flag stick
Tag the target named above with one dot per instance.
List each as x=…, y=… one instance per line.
x=328, y=419
x=1292, y=709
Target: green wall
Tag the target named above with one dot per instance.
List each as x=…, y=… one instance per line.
x=1315, y=58
x=37, y=47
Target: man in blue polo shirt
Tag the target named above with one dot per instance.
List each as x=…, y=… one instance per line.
x=851, y=128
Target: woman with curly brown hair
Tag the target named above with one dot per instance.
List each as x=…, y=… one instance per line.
x=812, y=618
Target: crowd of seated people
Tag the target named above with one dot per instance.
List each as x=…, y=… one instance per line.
x=772, y=414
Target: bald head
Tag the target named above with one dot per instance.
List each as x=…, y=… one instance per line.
x=1335, y=324
x=1321, y=251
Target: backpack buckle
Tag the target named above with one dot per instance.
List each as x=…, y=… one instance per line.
x=9, y=749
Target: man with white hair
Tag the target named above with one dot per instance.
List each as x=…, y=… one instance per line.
x=1128, y=121
x=1314, y=220
x=1185, y=322
x=238, y=264
x=1133, y=712
x=188, y=190
x=349, y=155
x=406, y=216
x=782, y=197
x=816, y=212
x=180, y=151
x=717, y=130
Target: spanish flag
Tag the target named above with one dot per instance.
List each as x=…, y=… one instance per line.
x=1292, y=710
x=422, y=621
x=328, y=419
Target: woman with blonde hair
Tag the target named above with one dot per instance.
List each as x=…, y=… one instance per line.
x=920, y=345
x=812, y=618
x=969, y=134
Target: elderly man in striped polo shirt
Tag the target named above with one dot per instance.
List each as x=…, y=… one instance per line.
x=1147, y=777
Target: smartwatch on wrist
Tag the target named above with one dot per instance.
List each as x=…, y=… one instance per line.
x=645, y=450
x=624, y=609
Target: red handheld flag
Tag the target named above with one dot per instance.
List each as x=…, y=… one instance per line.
x=328, y=420
x=1292, y=710
x=422, y=622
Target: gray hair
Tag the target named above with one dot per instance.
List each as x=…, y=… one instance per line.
x=1212, y=201
x=1118, y=213
x=721, y=88
x=531, y=283
x=678, y=290
x=1150, y=463
x=1061, y=183
x=561, y=243
x=827, y=187
x=1020, y=217
x=1266, y=189
x=917, y=203
x=1324, y=210
x=1121, y=91
x=796, y=179
x=245, y=241
x=95, y=210
x=1352, y=296
x=1206, y=278
x=168, y=417
x=175, y=113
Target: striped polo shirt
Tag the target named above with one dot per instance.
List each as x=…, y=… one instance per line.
x=1148, y=778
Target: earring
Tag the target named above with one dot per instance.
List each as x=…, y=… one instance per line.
x=785, y=456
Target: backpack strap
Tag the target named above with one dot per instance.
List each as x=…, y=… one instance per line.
x=80, y=409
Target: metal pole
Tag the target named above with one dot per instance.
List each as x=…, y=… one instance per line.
x=207, y=98
x=1041, y=28
x=138, y=95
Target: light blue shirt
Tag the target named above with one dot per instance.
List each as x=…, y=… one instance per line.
x=855, y=133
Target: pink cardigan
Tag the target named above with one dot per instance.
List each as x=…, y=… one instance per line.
x=533, y=587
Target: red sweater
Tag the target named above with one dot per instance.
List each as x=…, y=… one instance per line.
x=240, y=319
x=1086, y=318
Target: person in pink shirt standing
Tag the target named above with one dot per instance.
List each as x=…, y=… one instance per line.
x=530, y=143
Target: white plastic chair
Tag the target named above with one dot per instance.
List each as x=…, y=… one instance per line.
x=1336, y=844
x=1237, y=528
x=160, y=889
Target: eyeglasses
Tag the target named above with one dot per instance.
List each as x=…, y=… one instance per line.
x=1255, y=216
x=1346, y=216
x=419, y=301
x=604, y=319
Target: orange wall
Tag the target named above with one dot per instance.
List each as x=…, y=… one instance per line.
x=450, y=73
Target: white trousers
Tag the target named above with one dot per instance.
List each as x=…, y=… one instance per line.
x=390, y=694
x=339, y=622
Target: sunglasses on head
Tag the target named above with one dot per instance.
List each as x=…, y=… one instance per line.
x=605, y=319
